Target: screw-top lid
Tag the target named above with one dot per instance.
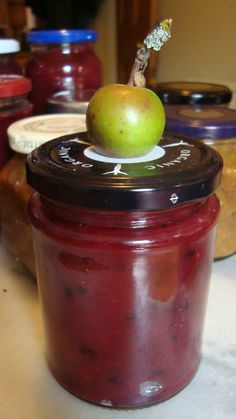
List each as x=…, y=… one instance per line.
x=8, y=46
x=68, y=170
x=205, y=122
x=29, y=133
x=191, y=93
x=60, y=36
x=12, y=85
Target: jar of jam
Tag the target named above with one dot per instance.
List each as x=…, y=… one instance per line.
x=8, y=63
x=124, y=251
x=62, y=60
x=216, y=127
x=15, y=193
x=192, y=93
x=14, y=105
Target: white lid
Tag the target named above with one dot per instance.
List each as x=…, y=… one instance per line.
x=29, y=133
x=8, y=46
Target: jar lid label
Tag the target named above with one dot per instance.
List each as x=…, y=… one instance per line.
x=68, y=170
x=28, y=133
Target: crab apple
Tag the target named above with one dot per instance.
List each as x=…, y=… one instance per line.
x=124, y=121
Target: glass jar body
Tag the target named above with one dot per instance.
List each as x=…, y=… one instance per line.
x=15, y=194
x=8, y=64
x=123, y=297
x=62, y=67
x=11, y=109
x=226, y=229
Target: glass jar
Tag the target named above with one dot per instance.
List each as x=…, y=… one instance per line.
x=69, y=102
x=123, y=253
x=216, y=127
x=14, y=105
x=8, y=63
x=192, y=93
x=24, y=136
x=62, y=60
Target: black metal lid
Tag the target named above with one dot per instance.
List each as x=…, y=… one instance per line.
x=177, y=170
x=192, y=93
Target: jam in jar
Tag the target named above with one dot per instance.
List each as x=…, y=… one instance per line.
x=216, y=127
x=62, y=60
x=123, y=251
x=24, y=136
x=14, y=105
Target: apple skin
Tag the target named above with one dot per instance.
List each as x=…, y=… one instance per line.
x=124, y=121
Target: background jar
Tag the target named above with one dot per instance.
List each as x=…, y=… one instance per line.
x=123, y=253
x=15, y=193
x=62, y=60
x=193, y=93
x=14, y=105
x=69, y=102
x=8, y=50
x=216, y=127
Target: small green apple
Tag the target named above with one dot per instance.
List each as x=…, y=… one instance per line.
x=124, y=121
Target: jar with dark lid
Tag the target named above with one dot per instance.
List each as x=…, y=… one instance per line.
x=192, y=93
x=8, y=50
x=216, y=127
x=14, y=105
x=123, y=252
x=24, y=136
x=62, y=60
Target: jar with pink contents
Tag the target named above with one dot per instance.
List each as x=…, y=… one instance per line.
x=62, y=60
x=14, y=105
x=124, y=250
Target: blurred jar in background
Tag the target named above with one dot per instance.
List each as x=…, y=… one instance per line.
x=15, y=193
x=69, y=102
x=62, y=60
x=8, y=50
x=192, y=93
x=14, y=105
x=216, y=127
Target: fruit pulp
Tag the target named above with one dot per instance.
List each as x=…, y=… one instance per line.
x=65, y=67
x=15, y=194
x=123, y=297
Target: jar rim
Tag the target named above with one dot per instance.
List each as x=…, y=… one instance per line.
x=61, y=36
x=195, y=121
x=177, y=171
x=13, y=85
x=192, y=93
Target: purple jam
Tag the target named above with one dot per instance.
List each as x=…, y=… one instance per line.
x=123, y=259
x=123, y=306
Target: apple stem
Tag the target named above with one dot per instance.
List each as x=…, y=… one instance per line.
x=154, y=40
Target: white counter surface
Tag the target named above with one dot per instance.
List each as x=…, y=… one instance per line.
x=28, y=391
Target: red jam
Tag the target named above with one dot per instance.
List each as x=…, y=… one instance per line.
x=124, y=291
x=14, y=105
x=64, y=66
x=124, y=306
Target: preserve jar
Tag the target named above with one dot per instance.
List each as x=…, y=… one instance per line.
x=8, y=50
x=193, y=93
x=15, y=193
x=216, y=127
x=14, y=105
x=123, y=253
x=62, y=60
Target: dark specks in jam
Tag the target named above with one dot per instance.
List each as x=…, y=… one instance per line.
x=88, y=352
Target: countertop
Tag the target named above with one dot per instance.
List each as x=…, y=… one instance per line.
x=28, y=391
